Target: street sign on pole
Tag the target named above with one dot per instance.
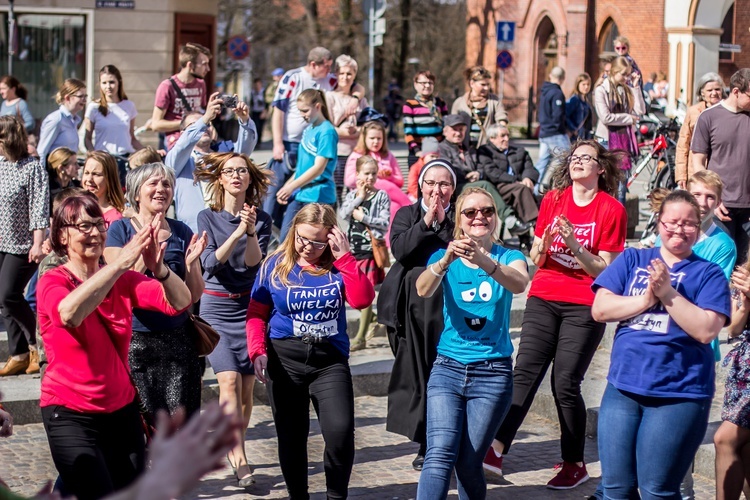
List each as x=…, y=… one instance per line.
x=238, y=48
x=504, y=59
x=506, y=34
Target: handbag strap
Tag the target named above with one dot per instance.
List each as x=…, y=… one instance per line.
x=188, y=107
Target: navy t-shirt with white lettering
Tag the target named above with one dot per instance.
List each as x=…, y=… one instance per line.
x=310, y=305
x=651, y=354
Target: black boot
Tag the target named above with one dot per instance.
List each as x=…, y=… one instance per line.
x=419, y=461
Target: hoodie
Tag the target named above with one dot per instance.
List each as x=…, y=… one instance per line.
x=551, y=111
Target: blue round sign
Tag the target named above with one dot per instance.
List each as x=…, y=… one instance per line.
x=238, y=48
x=504, y=59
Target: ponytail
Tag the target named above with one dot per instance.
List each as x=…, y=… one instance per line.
x=315, y=96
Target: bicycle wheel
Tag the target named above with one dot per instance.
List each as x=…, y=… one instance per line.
x=664, y=178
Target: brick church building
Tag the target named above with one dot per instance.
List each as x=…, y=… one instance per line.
x=678, y=37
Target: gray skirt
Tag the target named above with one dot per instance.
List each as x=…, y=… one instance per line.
x=227, y=316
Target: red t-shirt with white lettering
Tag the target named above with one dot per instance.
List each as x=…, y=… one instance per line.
x=600, y=225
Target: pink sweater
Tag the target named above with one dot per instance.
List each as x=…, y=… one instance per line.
x=86, y=371
x=386, y=164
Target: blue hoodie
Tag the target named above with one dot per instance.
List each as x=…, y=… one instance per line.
x=551, y=111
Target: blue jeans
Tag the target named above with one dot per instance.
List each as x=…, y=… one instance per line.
x=549, y=146
x=281, y=172
x=465, y=405
x=648, y=443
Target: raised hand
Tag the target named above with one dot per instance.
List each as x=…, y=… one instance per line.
x=659, y=279
x=242, y=111
x=338, y=242
x=195, y=248
x=213, y=108
x=566, y=230
x=140, y=244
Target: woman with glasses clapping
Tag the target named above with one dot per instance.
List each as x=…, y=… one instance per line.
x=580, y=230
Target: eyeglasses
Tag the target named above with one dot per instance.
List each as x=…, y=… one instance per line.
x=317, y=245
x=81, y=96
x=87, y=227
x=583, y=159
x=471, y=213
x=229, y=172
x=424, y=84
x=619, y=49
x=441, y=184
x=687, y=227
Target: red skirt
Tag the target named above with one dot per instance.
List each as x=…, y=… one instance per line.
x=372, y=271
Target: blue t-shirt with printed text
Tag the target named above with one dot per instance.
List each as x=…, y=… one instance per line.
x=317, y=140
x=718, y=247
x=652, y=355
x=310, y=305
x=476, y=310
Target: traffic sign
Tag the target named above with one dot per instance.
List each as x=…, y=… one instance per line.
x=504, y=59
x=378, y=27
x=506, y=31
x=238, y=48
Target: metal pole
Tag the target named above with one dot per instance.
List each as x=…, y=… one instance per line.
x=371, y=51
x=11, y=37
x=501, y=84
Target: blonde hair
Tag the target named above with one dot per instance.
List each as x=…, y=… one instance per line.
x=361, y=146
x=143, y=156
x=708, y=178
x=622, y=100
x=315, y=214
x=363, y=160
x=190, y=51
x=457, y=231
x=210, y=172
x=68, y=88
x=57, y=160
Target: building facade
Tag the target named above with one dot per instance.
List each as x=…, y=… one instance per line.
x=678, y=37
x=59, y=39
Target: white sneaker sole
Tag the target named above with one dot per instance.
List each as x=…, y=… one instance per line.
x=580, y=482
x=494, y=470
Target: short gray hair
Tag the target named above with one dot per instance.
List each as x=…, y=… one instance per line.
x=494, y=129
x=319, y=55
x=136, y=178
x=705, y=80
x=344, y=60
x=557, y=73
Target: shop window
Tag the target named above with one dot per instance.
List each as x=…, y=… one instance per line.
x=49, y=49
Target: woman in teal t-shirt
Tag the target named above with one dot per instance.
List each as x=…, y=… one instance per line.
x=316, y=160
x=471, y=382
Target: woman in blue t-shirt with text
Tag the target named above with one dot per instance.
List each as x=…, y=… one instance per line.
x=471, y=382
x=316, y=160
x=670, y=304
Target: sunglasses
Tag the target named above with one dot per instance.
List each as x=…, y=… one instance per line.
x=470, y=213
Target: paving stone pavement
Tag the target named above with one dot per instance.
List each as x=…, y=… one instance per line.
x=382, y=468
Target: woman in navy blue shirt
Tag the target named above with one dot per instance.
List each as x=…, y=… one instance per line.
x=238, y=233
x=163, y=357
x=670, y=304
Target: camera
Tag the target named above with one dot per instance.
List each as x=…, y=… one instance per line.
x=229, y=101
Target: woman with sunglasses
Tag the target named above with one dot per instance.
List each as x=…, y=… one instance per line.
x=238, y=234
x=580, y=230
x=296, y=335
x=88, y=401
x=60, y=128
x=414, y=328
x=471, y=382
x=670, y=304
x=423, y=115
x=622, y=49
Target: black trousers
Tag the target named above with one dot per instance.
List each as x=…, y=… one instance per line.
x=95, y=453
x=299, y=373
x=20, y=320
x=567, y=334
x=735, y=229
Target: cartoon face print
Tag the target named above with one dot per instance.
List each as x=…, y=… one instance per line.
x=476, y=295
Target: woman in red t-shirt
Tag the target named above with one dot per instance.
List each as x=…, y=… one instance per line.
x=580, y=230
x=85, y=317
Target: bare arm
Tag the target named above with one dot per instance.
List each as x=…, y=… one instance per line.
x=159, y=124
x=699, y=161
x=609, y=307
x=137, y=146
x=89, y=127
x=277, y=128
x=701, y=324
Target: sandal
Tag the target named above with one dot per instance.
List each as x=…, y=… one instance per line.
x=358, y=345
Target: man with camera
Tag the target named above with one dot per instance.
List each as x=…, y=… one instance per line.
x=198, y=137
x=181, y=93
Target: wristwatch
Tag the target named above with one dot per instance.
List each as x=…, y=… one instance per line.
x=580, y=249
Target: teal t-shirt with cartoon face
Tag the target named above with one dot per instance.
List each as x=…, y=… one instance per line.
x=476, y=310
